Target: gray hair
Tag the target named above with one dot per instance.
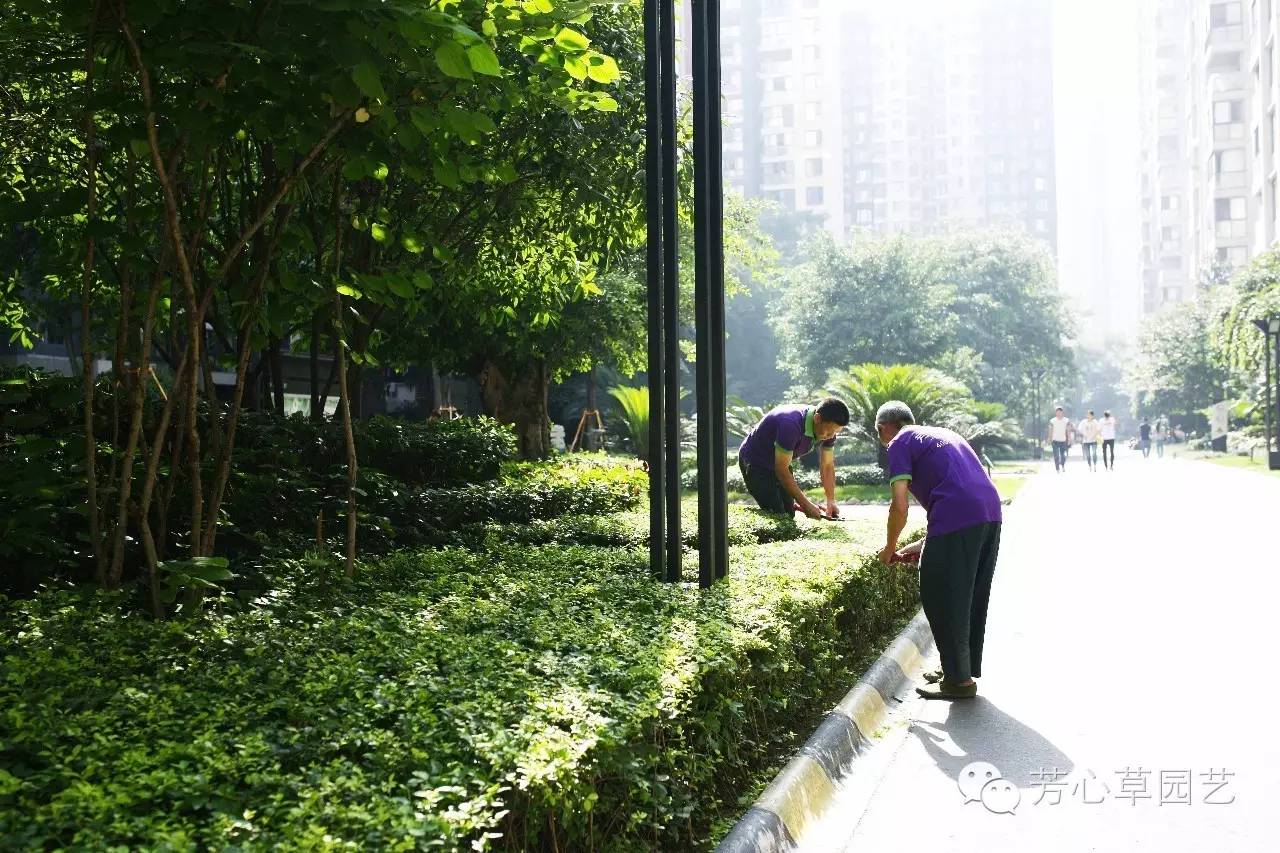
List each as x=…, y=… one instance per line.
x=895, y=413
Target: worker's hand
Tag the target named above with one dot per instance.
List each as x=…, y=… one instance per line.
x=811, y=510
x=887, y=555
x=833, y=511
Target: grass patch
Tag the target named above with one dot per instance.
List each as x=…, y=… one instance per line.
x=1230, y=460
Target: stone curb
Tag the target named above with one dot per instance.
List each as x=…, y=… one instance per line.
x=797, y=798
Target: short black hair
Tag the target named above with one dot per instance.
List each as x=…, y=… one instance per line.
x=896, y=413
x=834, y=411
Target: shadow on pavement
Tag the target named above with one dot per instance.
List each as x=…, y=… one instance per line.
x=983, y=732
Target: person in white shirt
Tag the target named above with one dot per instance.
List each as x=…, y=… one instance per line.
x=1162, y=433
x=1088, y=430
x=1060, y=435
x=1107, y=431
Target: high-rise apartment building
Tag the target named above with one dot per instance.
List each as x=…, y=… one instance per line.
x=1208, y=141
x=891, y=118
x=784, y=131
x=1165, y=177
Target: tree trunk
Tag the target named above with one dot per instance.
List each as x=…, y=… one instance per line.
x=277, y=373
x=86, y=336
x=520, y=399
x=317, y=408
x=344, y=405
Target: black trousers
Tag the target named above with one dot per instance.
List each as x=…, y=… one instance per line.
x=1109, y=447
x=955, y=588
x=763, y=485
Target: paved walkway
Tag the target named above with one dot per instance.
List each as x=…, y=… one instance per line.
x=1129, y=647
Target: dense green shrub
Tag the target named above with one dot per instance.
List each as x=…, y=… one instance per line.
x=466, y=450
x=522, y=698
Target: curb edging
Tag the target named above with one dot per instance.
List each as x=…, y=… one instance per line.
x=801, y=793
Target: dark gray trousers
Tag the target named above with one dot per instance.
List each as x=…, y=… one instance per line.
x=763, y=485
x=955, y=588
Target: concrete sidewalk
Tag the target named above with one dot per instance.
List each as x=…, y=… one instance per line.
x=1128, y=690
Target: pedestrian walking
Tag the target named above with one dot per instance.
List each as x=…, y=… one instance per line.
x=958, y=555
x=1107, y=432
x=1144, y=438
x=1162, y=433
x=1060, y=436
x=787, y=433
x=1089, y=429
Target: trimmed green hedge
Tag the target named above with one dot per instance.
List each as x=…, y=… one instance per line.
x=522, y=697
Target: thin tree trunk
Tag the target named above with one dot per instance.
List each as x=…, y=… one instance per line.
x=277, y=373
x=173, y=224
x=86, y=304
x=317, y=410
x=137, y=394
x=344, y=397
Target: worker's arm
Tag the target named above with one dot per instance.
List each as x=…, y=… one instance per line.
x=827, y=455
x=782, y=470
x=897, y=516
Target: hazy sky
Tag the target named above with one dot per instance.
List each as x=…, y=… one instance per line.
x=1096, y=105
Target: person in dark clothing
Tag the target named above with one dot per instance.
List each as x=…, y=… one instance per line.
x=940, y=470
x=782, y=436
x=1144, y=438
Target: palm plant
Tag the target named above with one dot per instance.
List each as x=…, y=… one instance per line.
x=634, y=403
x=988, y=427
x=741, y=417
x=934, y=398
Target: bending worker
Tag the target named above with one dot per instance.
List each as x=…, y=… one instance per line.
x=940, y=470
x=785, y=434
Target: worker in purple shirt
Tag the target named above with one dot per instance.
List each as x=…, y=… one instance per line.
x=782, y=436
x=941, y=471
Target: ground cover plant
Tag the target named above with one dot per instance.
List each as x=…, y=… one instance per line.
x=535, y=690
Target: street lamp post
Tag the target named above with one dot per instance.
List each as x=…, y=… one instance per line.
x=1270, y=328
x=1036, y=377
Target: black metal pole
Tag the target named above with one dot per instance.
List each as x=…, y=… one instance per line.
x=708, y=291
x=656, y=315
x=671, y=281
x=719, y=371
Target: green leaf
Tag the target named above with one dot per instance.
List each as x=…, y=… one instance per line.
x=483, y=60
x=379, y=233
x=606, y=104
x=489, y=28
x=366, y=77
x=413, y=245
x=576, y=67
x=452, y=60
x=572, y=41
x=603, y=69
x=348, y=290
x=447, y=174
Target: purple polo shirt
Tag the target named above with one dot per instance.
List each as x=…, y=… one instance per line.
x=946, y=478
x=786, y=428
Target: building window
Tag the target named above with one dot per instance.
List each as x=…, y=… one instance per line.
x=1225, y=209
x=813, y=110
x=863, y=216
x=812, y=82
x=813, y=167
x=813, y=195
x=1169, y=202
x=811, y=52
x=1228, y=112
x=862, y=176
x=1224, y=14
x=812, y=138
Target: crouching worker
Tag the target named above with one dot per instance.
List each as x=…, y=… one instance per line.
x=782, y=436
x=939, y=468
